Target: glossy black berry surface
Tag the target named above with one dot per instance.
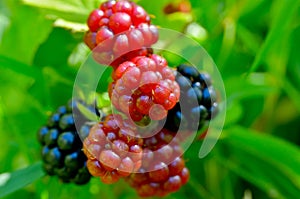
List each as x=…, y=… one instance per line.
x=198, y=100
x=61, y=142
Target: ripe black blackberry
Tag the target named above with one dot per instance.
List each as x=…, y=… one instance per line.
x=199, y=98
x=61, y=153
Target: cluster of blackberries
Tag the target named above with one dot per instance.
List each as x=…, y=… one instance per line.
x=143, y=88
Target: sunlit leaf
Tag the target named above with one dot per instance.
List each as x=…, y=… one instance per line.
x=71, y=10
x=21, y=39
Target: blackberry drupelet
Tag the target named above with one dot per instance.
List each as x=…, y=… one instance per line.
x=62, y=146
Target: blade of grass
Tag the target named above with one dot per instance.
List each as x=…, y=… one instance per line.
x=248, y=175
x=279, y=153
x=228, y=40
x=248, y=38
x=269, y=163
x=199, y=189
x=282, y=19
x=10, y=182
x=293, y=93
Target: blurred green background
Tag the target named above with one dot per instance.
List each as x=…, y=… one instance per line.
x=256, y=46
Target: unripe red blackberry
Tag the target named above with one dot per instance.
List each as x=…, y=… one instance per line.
x=163, y=169
x=199, y=98
x=182, y=6
x=144, y=87
x=113, y=150
x=118, y=28
x=61, y=141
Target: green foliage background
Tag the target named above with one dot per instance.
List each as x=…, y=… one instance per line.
x=255, y=45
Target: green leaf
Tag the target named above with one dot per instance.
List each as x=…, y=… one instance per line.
x=36, y=85
x=27, y=30
x=72, y=26
x=10, y=182
x=79, y=55
x=70, y=10
x=103, y=100
x=20, y=68
x=257, y=84
x=59, y=45
x=268, y=162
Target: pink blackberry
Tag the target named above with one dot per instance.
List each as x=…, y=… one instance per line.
x=112, y=149
x=163, y=169
x=144, y=87
x=117, y=28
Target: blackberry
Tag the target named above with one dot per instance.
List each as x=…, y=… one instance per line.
x=61, y=153
x=199, y=98
x=119, y=28
x=144, y=87
x=163, y=170
x=112, y=149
